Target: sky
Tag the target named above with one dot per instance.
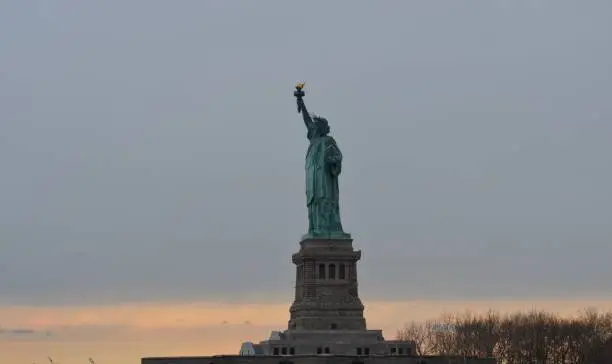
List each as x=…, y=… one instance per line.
x=152, y=156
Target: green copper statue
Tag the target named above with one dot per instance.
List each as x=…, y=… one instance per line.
x=323, y=166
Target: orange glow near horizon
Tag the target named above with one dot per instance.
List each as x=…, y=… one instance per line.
x=123, y=333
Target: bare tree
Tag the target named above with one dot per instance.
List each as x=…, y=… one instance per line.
x=418, y=334
x=443, y=338
x=477, y=335
x=534, y=337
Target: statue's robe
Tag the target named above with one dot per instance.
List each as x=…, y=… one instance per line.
x=323, y=166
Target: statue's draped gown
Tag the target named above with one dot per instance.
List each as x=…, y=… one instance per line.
x=323, y=166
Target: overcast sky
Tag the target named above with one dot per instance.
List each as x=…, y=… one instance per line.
x=151, y=150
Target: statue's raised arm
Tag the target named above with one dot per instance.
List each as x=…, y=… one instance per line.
x=301, y=107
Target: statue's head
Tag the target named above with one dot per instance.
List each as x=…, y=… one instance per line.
x=321, y=125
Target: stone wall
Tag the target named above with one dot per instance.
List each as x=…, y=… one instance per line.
x=318, y=359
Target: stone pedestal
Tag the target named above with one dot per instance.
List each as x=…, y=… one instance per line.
x=326, y=289
x=326, y=317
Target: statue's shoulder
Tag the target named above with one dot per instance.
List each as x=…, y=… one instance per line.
x=330, y=141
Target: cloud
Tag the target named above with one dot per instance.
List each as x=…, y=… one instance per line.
x=17, y=331
x=21, y=333
x=78, y=320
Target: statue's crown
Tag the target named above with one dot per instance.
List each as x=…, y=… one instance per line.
x=317, y=117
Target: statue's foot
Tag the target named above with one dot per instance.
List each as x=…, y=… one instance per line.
x=327, y=235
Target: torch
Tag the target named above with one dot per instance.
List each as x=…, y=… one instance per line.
x=299, y=93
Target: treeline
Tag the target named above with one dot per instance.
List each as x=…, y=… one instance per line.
x=521, y=338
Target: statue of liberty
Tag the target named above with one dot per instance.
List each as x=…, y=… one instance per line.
x=323, y=167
